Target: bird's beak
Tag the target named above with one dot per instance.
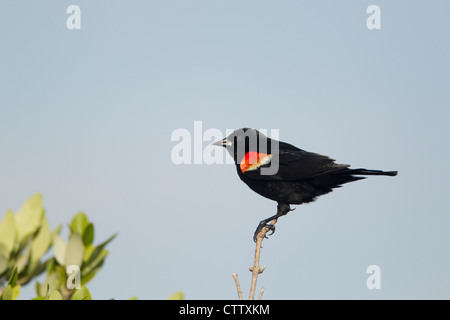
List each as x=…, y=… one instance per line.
x=222, y=143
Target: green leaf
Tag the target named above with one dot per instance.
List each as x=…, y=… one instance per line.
x=57, y=230
x=28, y=218
x=8, y=231
x=4, y=250
x=41, y=242
x=93, y=265
x=7, y=293
x=51, y=283
x=95, y=259
x=75, y=250
x=23, y=259
x=55, y=296
x=3, y=263
x=59, y=249
x=88, y=276
x=13, y=280
x=88, y=252
x=177, y=296
x=81, y=294
x=37, y=287
x=88, y=235
x=79, y=223
x=98, y=250
x=49, y=265
x=36, y=269
x=15, y=292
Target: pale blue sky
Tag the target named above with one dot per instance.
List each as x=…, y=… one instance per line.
x=86, y=118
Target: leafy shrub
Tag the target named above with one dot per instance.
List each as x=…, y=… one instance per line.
x=25, y=237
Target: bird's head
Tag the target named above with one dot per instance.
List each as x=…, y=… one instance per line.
x=245, y=145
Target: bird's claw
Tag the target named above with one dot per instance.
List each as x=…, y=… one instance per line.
x=262, y=225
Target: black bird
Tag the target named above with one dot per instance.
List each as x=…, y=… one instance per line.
x=284, y=173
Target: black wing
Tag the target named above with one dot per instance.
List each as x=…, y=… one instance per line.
x=296, y=164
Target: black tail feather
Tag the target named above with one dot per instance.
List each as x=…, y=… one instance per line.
x=366, y=172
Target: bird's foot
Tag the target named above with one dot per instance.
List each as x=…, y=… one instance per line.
x=263, y=224
x=282, y=209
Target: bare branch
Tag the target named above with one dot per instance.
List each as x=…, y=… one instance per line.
x=238, y=286
x=256, y=270
x=261, y=293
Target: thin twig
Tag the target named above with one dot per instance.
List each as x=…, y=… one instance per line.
x=261, y=293
x=238, y=286
x=256, y=270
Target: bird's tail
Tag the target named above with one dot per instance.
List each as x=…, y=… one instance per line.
x=366, y=172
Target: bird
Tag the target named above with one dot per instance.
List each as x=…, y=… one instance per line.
x=286, y=174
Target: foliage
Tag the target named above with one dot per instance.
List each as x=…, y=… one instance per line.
x=25, y=241
x=177, y=296
x=75, y=262
x=25, y=238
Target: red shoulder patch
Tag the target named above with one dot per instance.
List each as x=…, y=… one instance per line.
x=253, y=160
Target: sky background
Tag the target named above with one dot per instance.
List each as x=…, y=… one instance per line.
x=86, y=118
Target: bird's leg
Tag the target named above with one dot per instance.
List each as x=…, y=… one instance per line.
x=282, y=209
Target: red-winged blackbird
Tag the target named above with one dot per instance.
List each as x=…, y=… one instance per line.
x=284, y=173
